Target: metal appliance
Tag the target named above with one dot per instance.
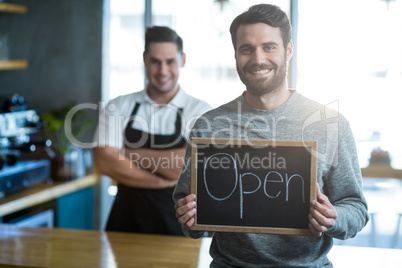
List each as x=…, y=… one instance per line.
x=18, y=129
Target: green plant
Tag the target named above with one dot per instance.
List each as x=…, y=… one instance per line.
x=55, y=128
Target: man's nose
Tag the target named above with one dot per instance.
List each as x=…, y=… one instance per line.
x=163, y=68
x=258, y=56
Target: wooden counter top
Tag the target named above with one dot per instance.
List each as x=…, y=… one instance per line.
x=42, y=247
x=43, y=192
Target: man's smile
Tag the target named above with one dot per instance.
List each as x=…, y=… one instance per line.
x=260, y=72
x=163, y=79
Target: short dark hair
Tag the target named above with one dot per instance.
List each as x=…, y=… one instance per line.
x=161, y=34
x=263, y=13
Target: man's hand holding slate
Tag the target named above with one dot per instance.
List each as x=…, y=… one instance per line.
x=185, y=211
x=322, y=214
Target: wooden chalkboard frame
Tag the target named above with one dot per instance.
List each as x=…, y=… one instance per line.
x=309, y=145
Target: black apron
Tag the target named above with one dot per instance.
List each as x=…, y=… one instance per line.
x=146, y=210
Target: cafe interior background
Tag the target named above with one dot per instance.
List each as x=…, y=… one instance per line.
x=72, y=52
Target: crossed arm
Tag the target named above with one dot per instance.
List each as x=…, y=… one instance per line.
x=114, y=163
x=165, y=163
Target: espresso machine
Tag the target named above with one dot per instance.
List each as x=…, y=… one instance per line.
x=21, y=141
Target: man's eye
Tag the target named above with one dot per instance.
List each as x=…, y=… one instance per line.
x=245, y=50
x=269, y=48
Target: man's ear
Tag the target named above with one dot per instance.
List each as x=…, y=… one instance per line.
x=289, y=51
x=143, y=57
x=183, y=59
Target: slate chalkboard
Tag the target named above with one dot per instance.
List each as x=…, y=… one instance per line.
x=256, y=186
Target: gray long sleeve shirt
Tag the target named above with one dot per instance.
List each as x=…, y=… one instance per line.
x=338, y=175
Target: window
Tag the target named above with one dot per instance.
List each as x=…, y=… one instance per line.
x=126, y=44
x=349, y=52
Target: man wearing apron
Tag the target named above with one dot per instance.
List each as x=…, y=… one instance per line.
x=142, y=137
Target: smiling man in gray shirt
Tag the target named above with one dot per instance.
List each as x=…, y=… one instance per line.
x=267, y=109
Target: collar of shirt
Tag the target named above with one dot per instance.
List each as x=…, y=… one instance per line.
x=155, y=119
x=177, y=101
